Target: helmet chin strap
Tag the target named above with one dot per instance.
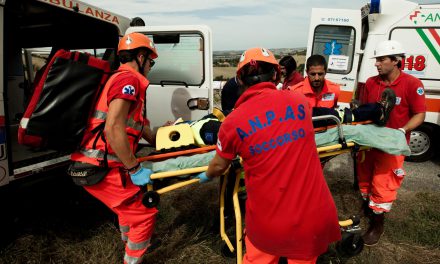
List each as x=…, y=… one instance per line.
x=141, y=68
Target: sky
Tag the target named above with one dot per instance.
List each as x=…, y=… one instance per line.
x=235, y=24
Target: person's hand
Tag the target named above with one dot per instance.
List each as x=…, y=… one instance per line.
x=142, y=176
x=202, y=177
x=168, y=123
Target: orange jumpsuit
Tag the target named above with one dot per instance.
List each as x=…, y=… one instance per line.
x=327, y=98
x=116, y=190
x=380, y=174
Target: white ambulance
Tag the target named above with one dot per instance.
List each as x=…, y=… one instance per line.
x=347, y=39
x=181, y=80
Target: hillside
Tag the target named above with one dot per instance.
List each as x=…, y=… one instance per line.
x=225, y=62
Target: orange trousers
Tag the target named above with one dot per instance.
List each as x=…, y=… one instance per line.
x=136, y=222
x=380, y=175
x=255, y=256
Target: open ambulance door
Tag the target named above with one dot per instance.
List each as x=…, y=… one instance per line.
x=181, y=79
x=336, y=34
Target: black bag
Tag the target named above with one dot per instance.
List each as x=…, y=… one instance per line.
x=64, y=98
x=86, y=174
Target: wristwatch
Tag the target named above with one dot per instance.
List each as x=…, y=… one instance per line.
x=135, y=168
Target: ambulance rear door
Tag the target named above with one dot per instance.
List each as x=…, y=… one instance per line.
x=336, y=34
x=181, y=79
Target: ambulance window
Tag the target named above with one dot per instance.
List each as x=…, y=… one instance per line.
x=180, y=59
x=336, y=44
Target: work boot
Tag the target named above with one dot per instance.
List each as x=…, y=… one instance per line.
x=387, y=102
x=375, y=230
x=366, y=210
x=354, y=104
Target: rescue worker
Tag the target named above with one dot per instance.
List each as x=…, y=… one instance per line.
x=120, y=111
x=289, y=73
x=322, y=96
x=380, y=174
x=289, y=208
x=318, y=91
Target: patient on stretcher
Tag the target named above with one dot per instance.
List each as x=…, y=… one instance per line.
x=203, y=132
x=378, y=113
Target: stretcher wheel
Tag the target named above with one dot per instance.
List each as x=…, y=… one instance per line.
x=356, y=220
x=350, y=245
x=150, y=199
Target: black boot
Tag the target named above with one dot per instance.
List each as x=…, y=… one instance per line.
x=366, y=210
x=387, y=102
x=375, y=230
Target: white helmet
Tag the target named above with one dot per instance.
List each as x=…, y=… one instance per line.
x=388, y=48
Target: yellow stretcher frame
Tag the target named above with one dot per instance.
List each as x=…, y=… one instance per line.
x=325, y=151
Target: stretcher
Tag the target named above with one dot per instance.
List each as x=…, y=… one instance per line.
x=350, y=245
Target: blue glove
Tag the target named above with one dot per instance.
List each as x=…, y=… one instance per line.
x=203, y=178
x=142, y=176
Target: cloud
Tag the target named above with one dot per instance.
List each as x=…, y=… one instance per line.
x=235, y=24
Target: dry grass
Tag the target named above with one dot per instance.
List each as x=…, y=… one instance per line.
x=61, y=223
x=229, y=72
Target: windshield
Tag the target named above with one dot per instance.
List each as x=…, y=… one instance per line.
x=180, y=59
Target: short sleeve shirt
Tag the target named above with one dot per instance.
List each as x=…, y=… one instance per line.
x=410, y=97
x=127, y=85
x=289, y=210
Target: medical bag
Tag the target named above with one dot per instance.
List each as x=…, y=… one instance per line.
x=63, y=100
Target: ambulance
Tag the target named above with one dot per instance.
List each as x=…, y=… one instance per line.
x=31, y=30
x=347, y=38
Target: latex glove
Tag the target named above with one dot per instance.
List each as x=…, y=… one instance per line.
x=142, y=176
x=203, y=178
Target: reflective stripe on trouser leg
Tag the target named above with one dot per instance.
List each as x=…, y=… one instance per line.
x=124, y=232
x=127, y=204
x=387, y=179
x=141, y=221
x=365, y=168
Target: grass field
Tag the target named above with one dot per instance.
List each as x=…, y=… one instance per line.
x=61, y=223
x=229, y=72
